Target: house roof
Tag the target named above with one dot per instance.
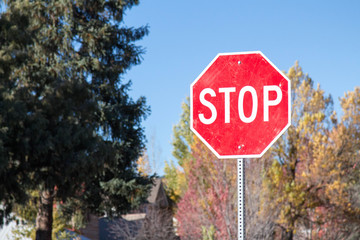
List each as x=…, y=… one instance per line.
x=158, y=195
x=155, y=191
x=129, y=224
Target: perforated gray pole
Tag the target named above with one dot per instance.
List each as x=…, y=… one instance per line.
x=241, y=198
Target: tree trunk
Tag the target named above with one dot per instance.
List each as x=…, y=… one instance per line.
x=44, y=217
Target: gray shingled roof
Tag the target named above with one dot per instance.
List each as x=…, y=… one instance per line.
x=155, y=191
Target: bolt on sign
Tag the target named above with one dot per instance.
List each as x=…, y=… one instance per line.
x=240, y=105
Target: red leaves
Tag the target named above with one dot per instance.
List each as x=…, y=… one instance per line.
x=210, y=199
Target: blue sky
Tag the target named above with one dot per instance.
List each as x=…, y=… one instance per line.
x=324, y=36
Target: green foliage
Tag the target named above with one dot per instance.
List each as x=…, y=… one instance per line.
x=68, y=125
x=208, y=233
x=23, y=231
x=172, y=179
x=183, y=138
x=26, y=215
x=14, y=39
x=182, y=135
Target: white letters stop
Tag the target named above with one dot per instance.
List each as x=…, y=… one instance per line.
x=226, y=91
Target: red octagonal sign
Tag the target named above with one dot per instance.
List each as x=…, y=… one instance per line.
x=240, y=105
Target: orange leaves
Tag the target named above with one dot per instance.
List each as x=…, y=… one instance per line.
x=316, y=164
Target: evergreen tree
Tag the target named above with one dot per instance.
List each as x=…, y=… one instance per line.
x=14, y=39
x=68, y=125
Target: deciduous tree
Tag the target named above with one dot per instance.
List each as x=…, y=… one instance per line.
x=304, y=164
x=206, y=190
x=210, y=199
x=337, y=171
x=182, y=139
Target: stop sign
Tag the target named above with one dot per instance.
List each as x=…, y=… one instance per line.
x=240, y=105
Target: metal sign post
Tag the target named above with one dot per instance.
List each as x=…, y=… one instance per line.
x=239, y=106
x=241, y=198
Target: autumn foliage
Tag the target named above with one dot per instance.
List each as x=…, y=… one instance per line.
x=210, y=199
x=312, y=182
x=307, y=186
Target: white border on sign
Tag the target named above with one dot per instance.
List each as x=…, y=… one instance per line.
x=273, y=141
